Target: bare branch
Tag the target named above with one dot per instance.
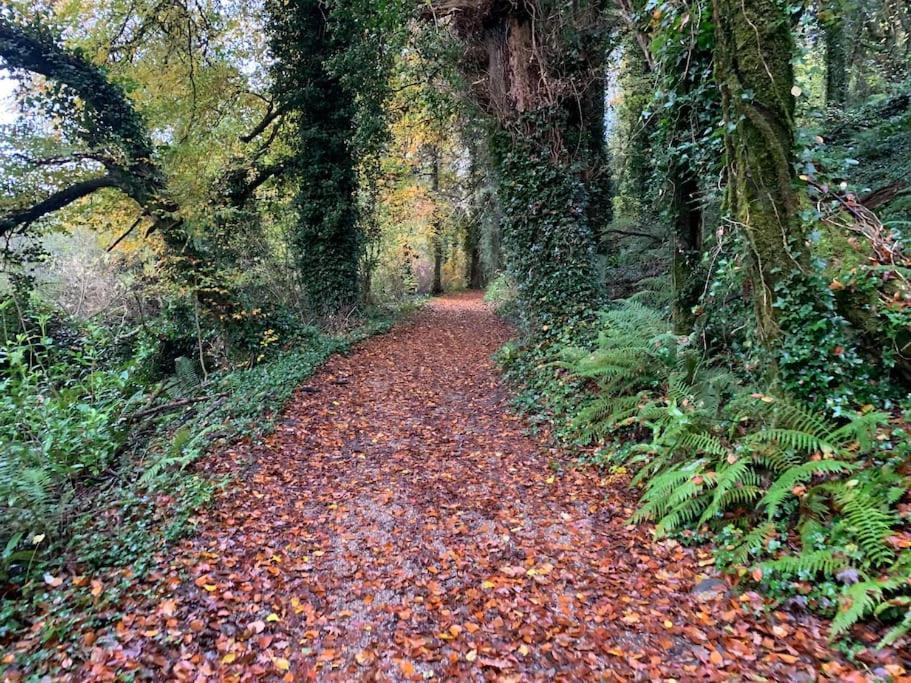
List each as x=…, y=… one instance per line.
x=57, y=201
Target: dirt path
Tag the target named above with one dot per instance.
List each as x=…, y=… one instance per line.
x=399, y=525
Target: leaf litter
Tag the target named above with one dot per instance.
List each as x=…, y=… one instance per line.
x=400, y=524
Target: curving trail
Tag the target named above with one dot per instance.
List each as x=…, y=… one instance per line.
x=400, y=525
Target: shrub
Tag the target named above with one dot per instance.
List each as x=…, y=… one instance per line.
x=62, y=413
x=501, y=296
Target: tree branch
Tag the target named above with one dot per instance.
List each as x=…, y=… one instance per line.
x=34, y=49
x=55, y=202
x=267, y=120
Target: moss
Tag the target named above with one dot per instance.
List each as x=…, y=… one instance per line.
x=753, y=67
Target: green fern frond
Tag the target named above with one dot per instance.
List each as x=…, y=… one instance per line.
x=857, y=601
x=808, y=563
x=774, y=459
x=754, y=542
x=729, y=477
x=868, y=522
x=799, y=474
x=700, y=442
x=797, y=440
x=681, y=515
x=903, y=627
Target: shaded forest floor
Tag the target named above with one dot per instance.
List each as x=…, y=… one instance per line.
x=400, y=524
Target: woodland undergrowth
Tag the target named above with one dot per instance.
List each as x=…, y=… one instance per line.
x=110, y=479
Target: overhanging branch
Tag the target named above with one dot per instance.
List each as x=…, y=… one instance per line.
x=57, y=201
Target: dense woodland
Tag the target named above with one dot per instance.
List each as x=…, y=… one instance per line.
x=692, y=211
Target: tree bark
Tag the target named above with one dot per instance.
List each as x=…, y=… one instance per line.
x=836, y=50
x=754, y=48
x=687, y=246
x=514, y=58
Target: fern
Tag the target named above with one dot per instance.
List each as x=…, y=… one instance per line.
x=793, y=439
x=681, y=515
x=754, y=542
x=857, y=601
x=718, y=454
x=807, y=563
x=868, y=523
x=729, y=477
x=799, y=474
x=903, y=627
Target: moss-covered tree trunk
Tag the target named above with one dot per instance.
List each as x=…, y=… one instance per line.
x=835, y=38
x=597, y=164
x=634, y=169
x=687, y=245
x=754, y=48
x=327, y=241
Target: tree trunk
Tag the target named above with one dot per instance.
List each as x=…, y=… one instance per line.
x=327, y=240
x=687, y=246
x=835, y=38
x=475, y=272
x=437, y=239
x=754, y=48
x=548, y=243
x=597, y=166
x=437, y=287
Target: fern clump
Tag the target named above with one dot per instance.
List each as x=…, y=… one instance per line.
x=807, y=500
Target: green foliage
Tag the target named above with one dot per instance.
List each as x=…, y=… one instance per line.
x=62, y=418
x=713, y=454
x=501, y=296
x=81, y=484
x=817, y=359
x=547, y=242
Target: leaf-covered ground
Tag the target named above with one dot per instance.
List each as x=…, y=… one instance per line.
x=400, y=525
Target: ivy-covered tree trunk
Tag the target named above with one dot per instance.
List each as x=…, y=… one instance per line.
x=753, y=53
x=538, y=144
x=326, y=240
x=547, y=242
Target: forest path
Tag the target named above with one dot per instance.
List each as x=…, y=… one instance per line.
x=400, y=525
